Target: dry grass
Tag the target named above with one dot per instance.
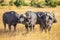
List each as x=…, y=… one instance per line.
x=20, y=34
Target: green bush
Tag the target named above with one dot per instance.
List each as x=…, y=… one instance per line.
x=47, y=2
x=37, y=4
x=52, y=3
x=4, y=4
x=40, y=4
x=11, y=3
x=19, y=3
x=33, y=3
x=26, y=4
x=58, y=2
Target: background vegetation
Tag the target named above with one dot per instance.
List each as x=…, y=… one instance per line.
x=35, y=3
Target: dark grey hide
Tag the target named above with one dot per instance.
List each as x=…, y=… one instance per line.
x=41, y=20
x=10, y=18
x=45, y=20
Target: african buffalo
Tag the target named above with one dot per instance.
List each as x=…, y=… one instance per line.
x=50, y=19
x=29, y=19
x=10, y=18
x=45, y=20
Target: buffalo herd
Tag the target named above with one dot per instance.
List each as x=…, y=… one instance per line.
x=29, y=19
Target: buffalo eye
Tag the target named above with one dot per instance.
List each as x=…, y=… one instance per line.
x=50, y=18
x=43, y=17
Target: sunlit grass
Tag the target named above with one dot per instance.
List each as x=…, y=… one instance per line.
x=21, y=34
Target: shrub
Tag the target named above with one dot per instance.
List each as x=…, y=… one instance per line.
x=26, y=4
x=11, y=3
x=4, y=4
x=52, y=3
x=58, y=2
x=40, y=4
x=37, y=4
x=19, y=2
x=47, y=2
x=33, y=3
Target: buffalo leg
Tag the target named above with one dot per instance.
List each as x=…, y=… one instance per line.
x=9, y=27
x=45, y=29
x=30, y=28
x=5, y=27
x=26, y=26
x=41, y=28
x=33, y=27
x=14, y=27
x=49, y=28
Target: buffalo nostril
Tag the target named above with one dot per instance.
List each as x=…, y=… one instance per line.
x=54, y=21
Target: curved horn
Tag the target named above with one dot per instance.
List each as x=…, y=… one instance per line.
x=24, y=15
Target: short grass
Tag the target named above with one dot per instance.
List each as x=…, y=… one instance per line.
x=21, y=34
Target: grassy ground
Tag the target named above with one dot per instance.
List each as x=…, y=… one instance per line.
x=20, y=34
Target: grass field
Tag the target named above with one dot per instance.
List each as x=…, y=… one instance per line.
x=20, y=34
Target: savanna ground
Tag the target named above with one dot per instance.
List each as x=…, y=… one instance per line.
x=20, y=34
